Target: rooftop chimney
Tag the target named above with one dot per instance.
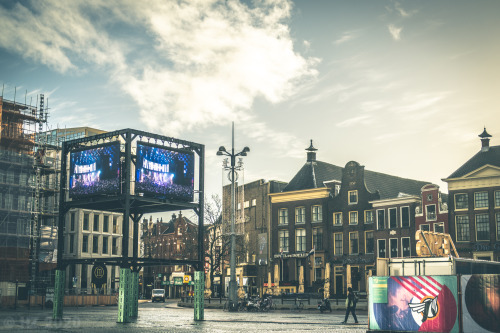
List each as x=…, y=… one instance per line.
x=485, y=140
x=311, y=153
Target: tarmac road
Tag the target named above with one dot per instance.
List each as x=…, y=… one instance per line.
x=168, y=317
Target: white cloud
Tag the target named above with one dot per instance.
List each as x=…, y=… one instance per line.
x=395, y=32
x=206, y=60
x=419, y=101
x=346, y=36
x=364, y=119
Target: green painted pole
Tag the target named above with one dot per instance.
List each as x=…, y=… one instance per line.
x=58, y=305
x=123, y=296
x=199, y=295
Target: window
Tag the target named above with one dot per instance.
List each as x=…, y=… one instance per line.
x=300, y=240
x=381, y=248
x=480, y=200
x=429, y=197
x=105, y=223
x=115, y=225
x=85, y=244
x=95, y=244
x=338, y=243
x=353, y=243
x=439, y=227
x=353, y=197
x=430, y=211
x=318, y=238
x=461, y=201
x=405, y=247
x=114, y=246
x=497, y=198
x=368, y=216
x=105, y=245
x=393, y=223
x=317, y=213
x=86, y=221
x=246, y=204
x=462, y=223
x=96, y=223
x=300, y=215
x=369, y=244
x=482, y=227
x=425, y=227
x=337, y=218
x=72, y=222
x=497, y=215
x=353, y=217
x=254, y=202
x=405, y=217
x=283, y=216
x=380, y=219
x=393, y=245
x=283, y=235
x=71, y=243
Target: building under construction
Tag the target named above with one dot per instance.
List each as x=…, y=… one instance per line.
x=28, y=192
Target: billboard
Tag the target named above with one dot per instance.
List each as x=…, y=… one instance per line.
x=95, y=170
x=414, y=303
x=164, y=173
x=480, y=303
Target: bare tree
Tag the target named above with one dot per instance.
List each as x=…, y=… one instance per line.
x=216, y=240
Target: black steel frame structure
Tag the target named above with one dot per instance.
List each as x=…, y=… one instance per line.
x=132, y=206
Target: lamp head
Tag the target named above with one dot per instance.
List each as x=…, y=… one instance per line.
x=221, y=150
x=246, y=150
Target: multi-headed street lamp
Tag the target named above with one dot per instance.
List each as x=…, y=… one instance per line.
x=232, y=306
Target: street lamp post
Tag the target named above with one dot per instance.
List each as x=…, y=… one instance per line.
x=232, y=306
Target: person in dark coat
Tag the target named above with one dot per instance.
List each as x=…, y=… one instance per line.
x=350, y=306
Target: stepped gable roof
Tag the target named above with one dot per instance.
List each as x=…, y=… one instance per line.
x=482, y=158
x=313, y=174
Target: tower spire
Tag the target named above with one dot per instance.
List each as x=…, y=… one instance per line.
x=311, y=153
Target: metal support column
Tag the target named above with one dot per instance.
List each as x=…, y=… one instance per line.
x=199, y=295
x=135, y=272
x=60, y=278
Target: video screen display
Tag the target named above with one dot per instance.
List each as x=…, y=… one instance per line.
x=164, y=173
x=95, y=171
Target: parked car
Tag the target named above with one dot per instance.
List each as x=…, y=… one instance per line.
x=158, y=295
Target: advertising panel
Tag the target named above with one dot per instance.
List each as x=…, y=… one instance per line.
x=480, y=303
x=95, y=171
x=164, y=173
x=414, y=303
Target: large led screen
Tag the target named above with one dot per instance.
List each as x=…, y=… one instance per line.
x=95, y=171
x=164, y=173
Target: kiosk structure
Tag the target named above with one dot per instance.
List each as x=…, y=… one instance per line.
x=134, y=173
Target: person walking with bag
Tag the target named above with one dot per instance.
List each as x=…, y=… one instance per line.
x=350, y=304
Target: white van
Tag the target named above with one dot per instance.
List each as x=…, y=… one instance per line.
x=158, y=295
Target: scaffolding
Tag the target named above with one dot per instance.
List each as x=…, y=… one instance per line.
x=28, y=191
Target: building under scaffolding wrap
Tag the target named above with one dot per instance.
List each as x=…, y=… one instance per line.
x=28, y=186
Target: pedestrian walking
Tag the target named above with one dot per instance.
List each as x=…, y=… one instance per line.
x=350, y=304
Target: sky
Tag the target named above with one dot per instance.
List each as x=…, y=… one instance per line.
x=401, y=87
